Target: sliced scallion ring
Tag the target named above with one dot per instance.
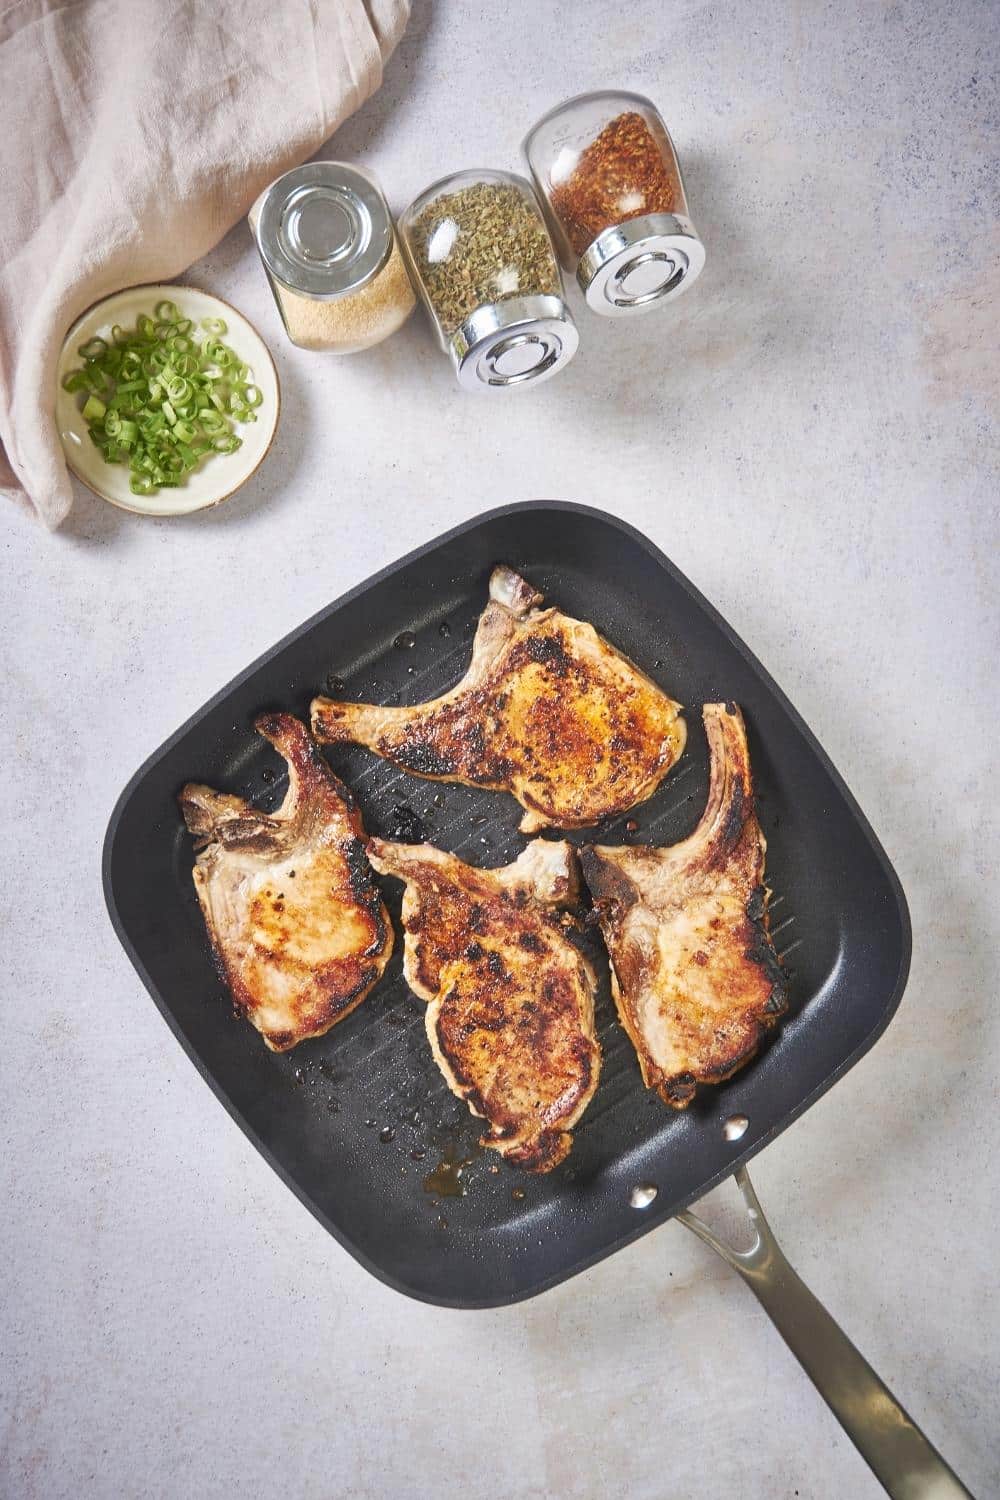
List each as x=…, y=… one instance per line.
x=158, y=398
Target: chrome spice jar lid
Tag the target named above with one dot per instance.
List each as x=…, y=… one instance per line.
x=324, y=230
x=509, y=343
x=609, y=176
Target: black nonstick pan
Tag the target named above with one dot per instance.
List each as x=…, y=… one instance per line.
x=358, y=1122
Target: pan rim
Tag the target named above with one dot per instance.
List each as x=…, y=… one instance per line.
x=644, y=1226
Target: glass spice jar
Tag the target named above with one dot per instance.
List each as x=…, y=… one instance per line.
x=607, y=171
x=483, y=260
x=326, y=238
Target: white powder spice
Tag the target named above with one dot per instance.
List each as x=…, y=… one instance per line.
x=355, y=321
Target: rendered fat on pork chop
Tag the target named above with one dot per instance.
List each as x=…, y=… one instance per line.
x=547, y=710
x=289, y=900
x=694, y=972
x=510, y=998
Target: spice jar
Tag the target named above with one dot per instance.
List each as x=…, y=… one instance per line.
x=484, y=263
x=326, y=237
x=607, y=171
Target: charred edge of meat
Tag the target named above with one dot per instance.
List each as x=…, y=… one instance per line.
x=424, y=974
x=271, y=724
x=543, y=1153
x=757, y=905
x=777, y=1001
x=342, y=790
x=281, y=1041
x=531, y=804
x=740, y=808
x=499, y=770
x=465, y=1082
x=609, y=886
x=359, y=871
x=284, y=1041
x=423, y=760
x=678, y=1091
x=364, y=889
x=761, y=952
x=365, y=982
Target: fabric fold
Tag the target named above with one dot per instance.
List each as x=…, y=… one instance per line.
x=135, y=134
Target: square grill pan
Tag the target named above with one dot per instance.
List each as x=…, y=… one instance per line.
x=354, y=1122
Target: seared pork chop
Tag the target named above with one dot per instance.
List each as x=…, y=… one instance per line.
x=547, y=710
x=510, y=998
x=694, y=972
x=288, y=898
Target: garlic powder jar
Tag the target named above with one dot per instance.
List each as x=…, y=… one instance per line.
x=326, y=237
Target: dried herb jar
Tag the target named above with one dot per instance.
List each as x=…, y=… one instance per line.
x=483, y=259
x=607, y=171
x=327, y=241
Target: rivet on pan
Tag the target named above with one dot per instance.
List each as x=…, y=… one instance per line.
x=643, y=1195
x=735, y=1127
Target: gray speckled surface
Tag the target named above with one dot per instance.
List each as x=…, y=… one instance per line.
x=811, y=434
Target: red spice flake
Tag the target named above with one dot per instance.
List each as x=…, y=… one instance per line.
x=621, y=175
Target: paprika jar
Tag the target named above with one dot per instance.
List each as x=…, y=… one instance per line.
x=483, y=261
x=607, y=171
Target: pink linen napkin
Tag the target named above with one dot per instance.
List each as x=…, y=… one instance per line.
x=133, y=135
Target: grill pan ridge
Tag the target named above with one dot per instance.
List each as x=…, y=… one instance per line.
x=355, y=1120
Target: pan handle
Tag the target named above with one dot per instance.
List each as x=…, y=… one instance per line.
x=903, y=1460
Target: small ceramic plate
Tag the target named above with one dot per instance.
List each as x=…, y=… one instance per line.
x=215, y=478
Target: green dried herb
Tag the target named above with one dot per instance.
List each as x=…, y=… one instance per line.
x=484, y=243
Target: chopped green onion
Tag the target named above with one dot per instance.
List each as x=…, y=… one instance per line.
x=160, y=401
x=212, y=422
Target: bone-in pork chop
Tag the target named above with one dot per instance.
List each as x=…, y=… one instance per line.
x=289, y=901
x=547, y=710
x=510, y=998
x=694, y=972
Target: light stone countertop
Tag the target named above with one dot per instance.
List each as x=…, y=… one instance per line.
x=811, y=435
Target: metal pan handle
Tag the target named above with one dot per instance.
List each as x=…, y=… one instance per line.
x=905, y=1463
